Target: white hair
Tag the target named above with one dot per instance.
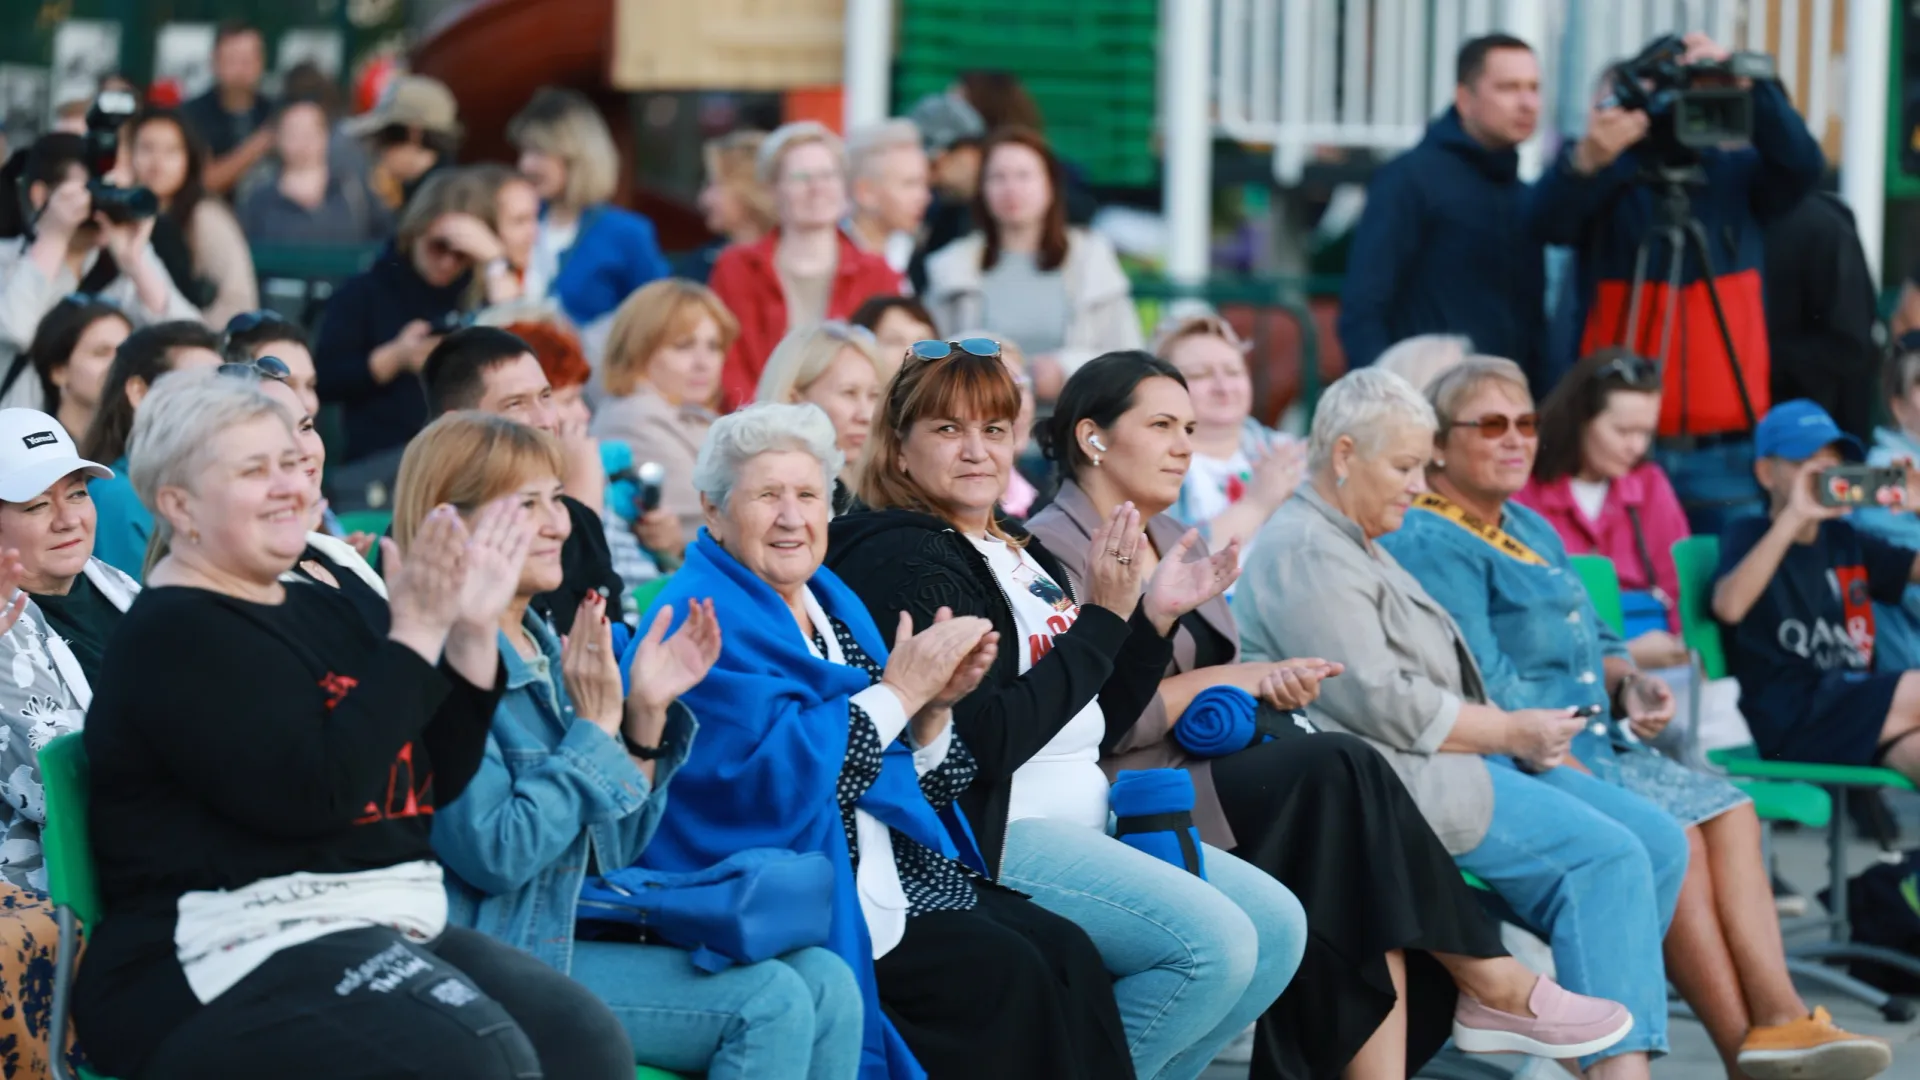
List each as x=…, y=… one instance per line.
x=759, y=429
x=787, y=137
x=867, y=144
x=171, y=441
x=1366, y=405
x=1422, y=359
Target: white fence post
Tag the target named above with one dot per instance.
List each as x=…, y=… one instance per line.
x=1863, y=150
x=1188, y=193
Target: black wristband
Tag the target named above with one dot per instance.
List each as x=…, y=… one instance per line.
x=644, y=753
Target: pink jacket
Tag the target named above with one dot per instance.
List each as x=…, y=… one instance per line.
x=1645, y=492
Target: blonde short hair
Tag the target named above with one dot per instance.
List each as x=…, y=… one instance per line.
x=1466, y=379
x=732, y=162
x=869, y=143
x=1425, y=357
x=649, y=319
x=789, y=137
x=562, y=123
x=805, y=355
x=468, y=459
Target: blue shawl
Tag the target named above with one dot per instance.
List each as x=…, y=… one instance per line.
x=773, y=737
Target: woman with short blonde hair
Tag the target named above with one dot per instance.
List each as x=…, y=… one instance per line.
x=836, y=366
x=588, y=252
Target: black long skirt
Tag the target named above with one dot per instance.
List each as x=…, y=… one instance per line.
x=1007, y=990
x=1327, y=816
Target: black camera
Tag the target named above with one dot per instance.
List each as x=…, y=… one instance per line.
x=110, y=113
x=1690, y=106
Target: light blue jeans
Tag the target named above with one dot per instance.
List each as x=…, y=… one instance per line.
x=795, y=1018
x=1598, y=869
x=1194, y=962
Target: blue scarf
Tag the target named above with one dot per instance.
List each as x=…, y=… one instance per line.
x=773, y=737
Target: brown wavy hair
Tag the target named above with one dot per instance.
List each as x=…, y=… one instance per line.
x=962, y=387
x=1582, y=395
x=1053, y=227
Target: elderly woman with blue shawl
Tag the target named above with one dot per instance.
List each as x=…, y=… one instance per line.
x=817, y=737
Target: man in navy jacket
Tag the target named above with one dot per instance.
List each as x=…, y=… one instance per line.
x=1443, y=245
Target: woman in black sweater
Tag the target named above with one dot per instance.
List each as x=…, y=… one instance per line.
x=265, y=765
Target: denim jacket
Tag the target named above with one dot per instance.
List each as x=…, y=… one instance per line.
x=516, y=842
x=1533, y=629
x=1896, y=637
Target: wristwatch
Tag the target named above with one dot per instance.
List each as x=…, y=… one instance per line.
x=644, y=753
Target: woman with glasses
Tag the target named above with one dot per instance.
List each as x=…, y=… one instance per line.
x=1501, y=572
x=588, y=254
x=1593, y=483
x=1194, y=960
x=806, y=270
x=169, y=160
x=71, y=353
x=1241, y=469
x=836, y=366
x=1059, y=291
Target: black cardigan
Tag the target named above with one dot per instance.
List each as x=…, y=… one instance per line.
x=903, y=560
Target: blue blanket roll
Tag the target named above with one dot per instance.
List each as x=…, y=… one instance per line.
x=1219, y=721
x=1153, y=811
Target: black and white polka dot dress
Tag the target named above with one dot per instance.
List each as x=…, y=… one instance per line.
x=931, y=881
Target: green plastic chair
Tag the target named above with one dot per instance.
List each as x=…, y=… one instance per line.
x=1597, y=573
x=367, y=521
x=642, y=596
x=1696, y=559
x=70, y=880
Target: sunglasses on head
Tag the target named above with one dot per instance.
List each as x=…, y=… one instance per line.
x=935, y=351
x=1493, y=427
x=85, y=299
x=1632, y=370
x=248, y=321
x=267, y=367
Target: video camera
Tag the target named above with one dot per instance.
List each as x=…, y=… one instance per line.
x=110, y=113
x=1689, y=106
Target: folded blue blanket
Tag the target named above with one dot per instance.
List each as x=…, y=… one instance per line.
x=1218, y=722
x=1153, y=811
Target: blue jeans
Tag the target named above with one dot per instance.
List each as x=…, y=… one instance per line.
x=1598, y=869
x=1194, y=962
x=1715, y=483
x=795, y=1018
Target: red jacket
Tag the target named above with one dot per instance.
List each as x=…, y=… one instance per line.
x=746, y=281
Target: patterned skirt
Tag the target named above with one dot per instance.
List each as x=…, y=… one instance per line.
x=27, y=940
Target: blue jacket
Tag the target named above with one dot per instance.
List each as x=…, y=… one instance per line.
x=364, y=313
x=551, y=787
x=122, y=523
x=1896, y=628
x=1443, y=248
x=1531, y=628
x=614, y=253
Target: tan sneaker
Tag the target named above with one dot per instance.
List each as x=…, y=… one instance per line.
x=1812, y=1049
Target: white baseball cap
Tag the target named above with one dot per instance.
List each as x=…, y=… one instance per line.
x=35, y=452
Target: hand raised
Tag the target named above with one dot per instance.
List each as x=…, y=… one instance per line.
x=13, y=597
x=666, y=667
x=922, y=665
x=495, y=552
x=973, y=667
x=1113, y=569
x=589, y=669
x=424, y=587
x=1185, y=579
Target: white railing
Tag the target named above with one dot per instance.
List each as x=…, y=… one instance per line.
x=1306, y=75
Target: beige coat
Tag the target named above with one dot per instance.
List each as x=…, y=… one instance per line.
x=1066, y=527
x=660, y=432
x=1318, y=588
x=1103, y=318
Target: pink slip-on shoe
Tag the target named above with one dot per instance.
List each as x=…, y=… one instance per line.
x=1563, y=1025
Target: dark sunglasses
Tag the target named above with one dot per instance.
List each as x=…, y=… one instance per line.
x=935, y=351
x=267, y=367
x=1493, y=427
x=442, y=248
x=1632, y=370
x=248, y=321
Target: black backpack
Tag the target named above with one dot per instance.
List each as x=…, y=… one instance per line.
x=1883, y=903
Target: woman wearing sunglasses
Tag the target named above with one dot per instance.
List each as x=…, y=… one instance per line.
x=1194, y=960
x=1502, y=573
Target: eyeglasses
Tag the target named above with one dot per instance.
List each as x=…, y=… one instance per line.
x=248, y=321
x=442, y=248
x=825, y=178
x=267, y=367
x=932, y=352
x=1494, y=427
x=1632, y=370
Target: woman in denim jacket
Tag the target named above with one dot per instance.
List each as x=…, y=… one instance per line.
x=1503, y=574
x=574, y=779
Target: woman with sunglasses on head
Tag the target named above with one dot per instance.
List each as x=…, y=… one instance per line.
x=1241, y=469
x=1501, y=572
x=169, y=159
x=71, y=353
x=1593, y=483
x=1195, y=959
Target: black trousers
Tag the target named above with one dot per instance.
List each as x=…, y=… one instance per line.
x=1007, y=990
x=371, y=1005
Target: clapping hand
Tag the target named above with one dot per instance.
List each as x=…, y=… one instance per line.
x=1295, y=683
x=973, y=666
x=424, y=587
x=589, y=668
x=924, y=666
x=666, y=667
x=495, y=552
x=1113, y=572
x=1180, y=584
x=12, y=573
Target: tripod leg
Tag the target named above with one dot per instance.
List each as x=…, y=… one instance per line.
x=1676, y=270
x=1636, y=293
x=1697, y=239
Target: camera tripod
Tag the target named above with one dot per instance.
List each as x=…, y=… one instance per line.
x=1682, y=232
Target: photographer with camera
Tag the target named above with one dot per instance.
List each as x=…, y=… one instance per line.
x=68, y=233
x=1688, y=153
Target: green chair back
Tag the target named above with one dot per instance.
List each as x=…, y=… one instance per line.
x=642, y=596
x=1597, y=573
x=1696, y=558
x=64, y=841
x=367, y=521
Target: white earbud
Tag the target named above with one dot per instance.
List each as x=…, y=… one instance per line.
x=1097, y=444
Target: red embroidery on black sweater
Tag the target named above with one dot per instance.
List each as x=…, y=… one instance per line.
x=408, y=794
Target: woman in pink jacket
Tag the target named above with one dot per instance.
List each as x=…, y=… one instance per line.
x=1591, y=479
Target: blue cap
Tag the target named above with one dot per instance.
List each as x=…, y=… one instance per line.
x=1797, y=430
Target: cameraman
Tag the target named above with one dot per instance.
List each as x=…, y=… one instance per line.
x=1590, y=200
x=59, y=245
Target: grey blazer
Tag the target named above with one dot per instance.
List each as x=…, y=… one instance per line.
x=1318, y=588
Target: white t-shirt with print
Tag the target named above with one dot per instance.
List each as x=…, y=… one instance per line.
x=1213, y=484
x=1063, y=781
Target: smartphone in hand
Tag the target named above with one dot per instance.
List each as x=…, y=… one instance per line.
x=1861, y=486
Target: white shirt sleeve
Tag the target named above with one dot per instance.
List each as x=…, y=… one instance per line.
x=889, y=716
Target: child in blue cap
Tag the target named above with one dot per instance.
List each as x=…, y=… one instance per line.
x=1796, y=589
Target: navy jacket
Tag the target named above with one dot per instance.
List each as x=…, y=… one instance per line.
x=365, y=313
x=1443, y=248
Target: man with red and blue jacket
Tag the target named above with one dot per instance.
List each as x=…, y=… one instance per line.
x=1589, y=200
